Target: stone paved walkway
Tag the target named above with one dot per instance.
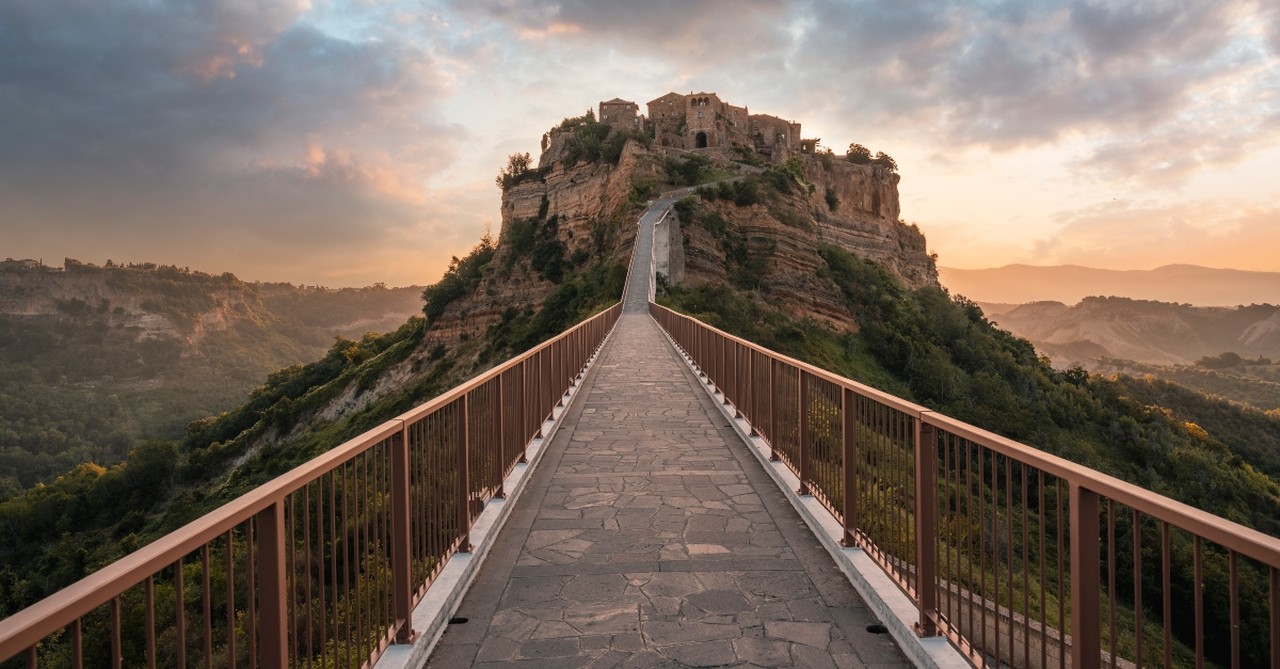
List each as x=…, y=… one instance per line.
x=648, y=538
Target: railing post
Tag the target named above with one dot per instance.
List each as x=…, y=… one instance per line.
x=273, y=613
x=464, y=478
x=849, y=459
x=729, y=373
x=741, y=368
x=773, y=409
x=802, y=467
x=401, y=556
x=1086, y=582
x=753, y=398
x=540, y=384
x=557, y=361
x=522, y=400
x=926, y=456
x=500, y=457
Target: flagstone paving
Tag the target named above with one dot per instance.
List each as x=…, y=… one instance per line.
x=649, y=537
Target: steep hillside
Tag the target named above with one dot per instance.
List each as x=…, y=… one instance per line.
x=1203, y=286
x=1250, y=384
x=93, y=359
x=1143, y=331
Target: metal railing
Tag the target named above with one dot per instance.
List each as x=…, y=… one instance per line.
x=322, y=566
x=1020, y=558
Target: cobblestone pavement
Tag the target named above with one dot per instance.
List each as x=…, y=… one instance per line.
x=648, y=537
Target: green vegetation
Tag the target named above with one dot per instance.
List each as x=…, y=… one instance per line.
x=590, y=141
x=518, y=170
x=581, y=294
x=861, y=155
x=460, y=279
x=1251, y=384
x=93, y=379
x=690, y=170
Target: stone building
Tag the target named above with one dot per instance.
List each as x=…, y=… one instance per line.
x=622, y=114
x=704, y=121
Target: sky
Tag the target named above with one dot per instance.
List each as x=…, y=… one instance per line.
x=351, y=142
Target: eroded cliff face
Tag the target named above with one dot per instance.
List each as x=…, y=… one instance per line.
x=588, y=207
x=771, y=245
x=778, y=259
x=866, y=218
x=591, y=208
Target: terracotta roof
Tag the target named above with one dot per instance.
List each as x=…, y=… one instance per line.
x=617, y=101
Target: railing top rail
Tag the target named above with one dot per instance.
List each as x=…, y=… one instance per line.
x=1243, y=540
x=33, y=623
x=452, y=394
x=867, y=391
x=1233, y=536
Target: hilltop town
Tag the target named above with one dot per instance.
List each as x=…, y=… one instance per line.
x=704, y=121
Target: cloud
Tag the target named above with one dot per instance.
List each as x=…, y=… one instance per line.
x=1125, y=235
x=1005, y=75
x=211, y=126
x=699, y=34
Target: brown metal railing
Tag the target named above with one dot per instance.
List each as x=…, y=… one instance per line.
x=1022, y=559
x=322, y=566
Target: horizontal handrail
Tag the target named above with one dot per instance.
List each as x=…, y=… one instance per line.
x=970, y=524
x=378, y=494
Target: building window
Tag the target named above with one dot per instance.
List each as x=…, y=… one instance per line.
x=699, y=114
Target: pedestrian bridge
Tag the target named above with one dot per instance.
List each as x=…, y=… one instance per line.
x=647, y=491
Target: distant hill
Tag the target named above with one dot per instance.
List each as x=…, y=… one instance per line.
x=92, y=359
x=1140, y=330
x=1184, y=284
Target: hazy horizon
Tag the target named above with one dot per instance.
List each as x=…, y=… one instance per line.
x=349, y=143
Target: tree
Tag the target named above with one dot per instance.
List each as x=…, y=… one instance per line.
x=882, y=159
x=858, y=154
x=518, y=164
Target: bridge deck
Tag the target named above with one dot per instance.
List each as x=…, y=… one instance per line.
x=648, y=537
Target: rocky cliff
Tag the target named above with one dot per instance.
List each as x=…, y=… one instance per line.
x=763, y=232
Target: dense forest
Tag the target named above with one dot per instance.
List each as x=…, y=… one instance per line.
x=1250, y=382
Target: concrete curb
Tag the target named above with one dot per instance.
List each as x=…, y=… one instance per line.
x=894, y=609
x=431, y=616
